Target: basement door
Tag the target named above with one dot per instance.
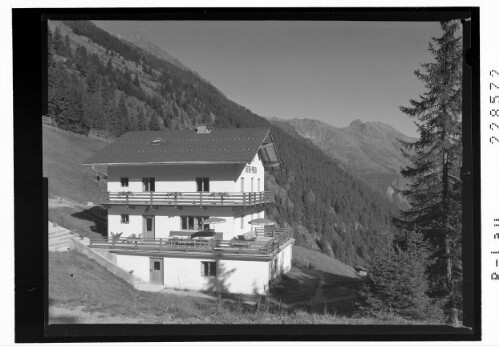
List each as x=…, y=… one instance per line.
x=156, y=271
x=148, y=226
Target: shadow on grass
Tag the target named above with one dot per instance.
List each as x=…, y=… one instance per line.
x=314, y=290
x=97, y=215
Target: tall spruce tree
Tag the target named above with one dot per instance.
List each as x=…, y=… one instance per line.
x=435, y=159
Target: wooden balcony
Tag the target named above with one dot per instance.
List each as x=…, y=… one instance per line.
x=201, y=199
x=263, y=247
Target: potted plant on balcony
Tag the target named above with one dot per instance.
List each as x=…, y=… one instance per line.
x=114, y=237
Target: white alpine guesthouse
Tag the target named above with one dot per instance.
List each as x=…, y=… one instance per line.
x=186, y=209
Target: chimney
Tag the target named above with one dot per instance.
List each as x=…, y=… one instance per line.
x=202, y=128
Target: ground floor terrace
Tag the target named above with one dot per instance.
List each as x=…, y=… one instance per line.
x=235, y=266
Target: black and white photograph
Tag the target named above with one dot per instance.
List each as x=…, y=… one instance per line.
x=258, y=171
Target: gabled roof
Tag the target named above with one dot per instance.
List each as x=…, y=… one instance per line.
x=220, y=146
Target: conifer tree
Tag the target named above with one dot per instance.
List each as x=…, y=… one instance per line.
x=141, y=122
x=71, y=116
x=136, y=80
x=67, y=45
x=397, y=282
x=435, y=158
x=117, y=119
x=59, y=46
x=109, y=67
x=154, y=123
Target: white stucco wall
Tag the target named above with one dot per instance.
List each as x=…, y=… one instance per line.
x=260, y=174
x=169, y=219
x=139, y=265
x=282, y=262
x=174, y=178
x=246, y=277
x=182, y=178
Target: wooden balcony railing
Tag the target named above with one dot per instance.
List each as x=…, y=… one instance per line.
x=237, y=247
x=191, y=198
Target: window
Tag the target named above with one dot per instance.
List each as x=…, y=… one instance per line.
x=149, y=223
x=208, y=268
x=251, y=169
x=124, y=182
x=157, y=265
x=125, y=218
x=193, y=223
x=148, y=184
x=203, y=184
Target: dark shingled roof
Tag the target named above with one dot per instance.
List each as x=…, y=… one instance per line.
x=182, y=147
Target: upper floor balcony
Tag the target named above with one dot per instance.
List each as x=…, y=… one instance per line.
x=201, y=199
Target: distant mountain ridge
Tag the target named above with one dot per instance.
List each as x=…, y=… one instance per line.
x=369, y=149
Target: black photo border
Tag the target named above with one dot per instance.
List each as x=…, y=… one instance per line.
x=30, y=188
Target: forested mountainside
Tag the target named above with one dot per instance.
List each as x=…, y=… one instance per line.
x=370, y=150
x=98, y=82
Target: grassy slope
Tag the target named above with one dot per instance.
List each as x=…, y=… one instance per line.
x=63, y=153
x=76, y=281
x=312, y=259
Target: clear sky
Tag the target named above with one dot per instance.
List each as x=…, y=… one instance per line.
x=331, y=71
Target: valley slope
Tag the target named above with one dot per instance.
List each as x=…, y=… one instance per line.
x=370, y=150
